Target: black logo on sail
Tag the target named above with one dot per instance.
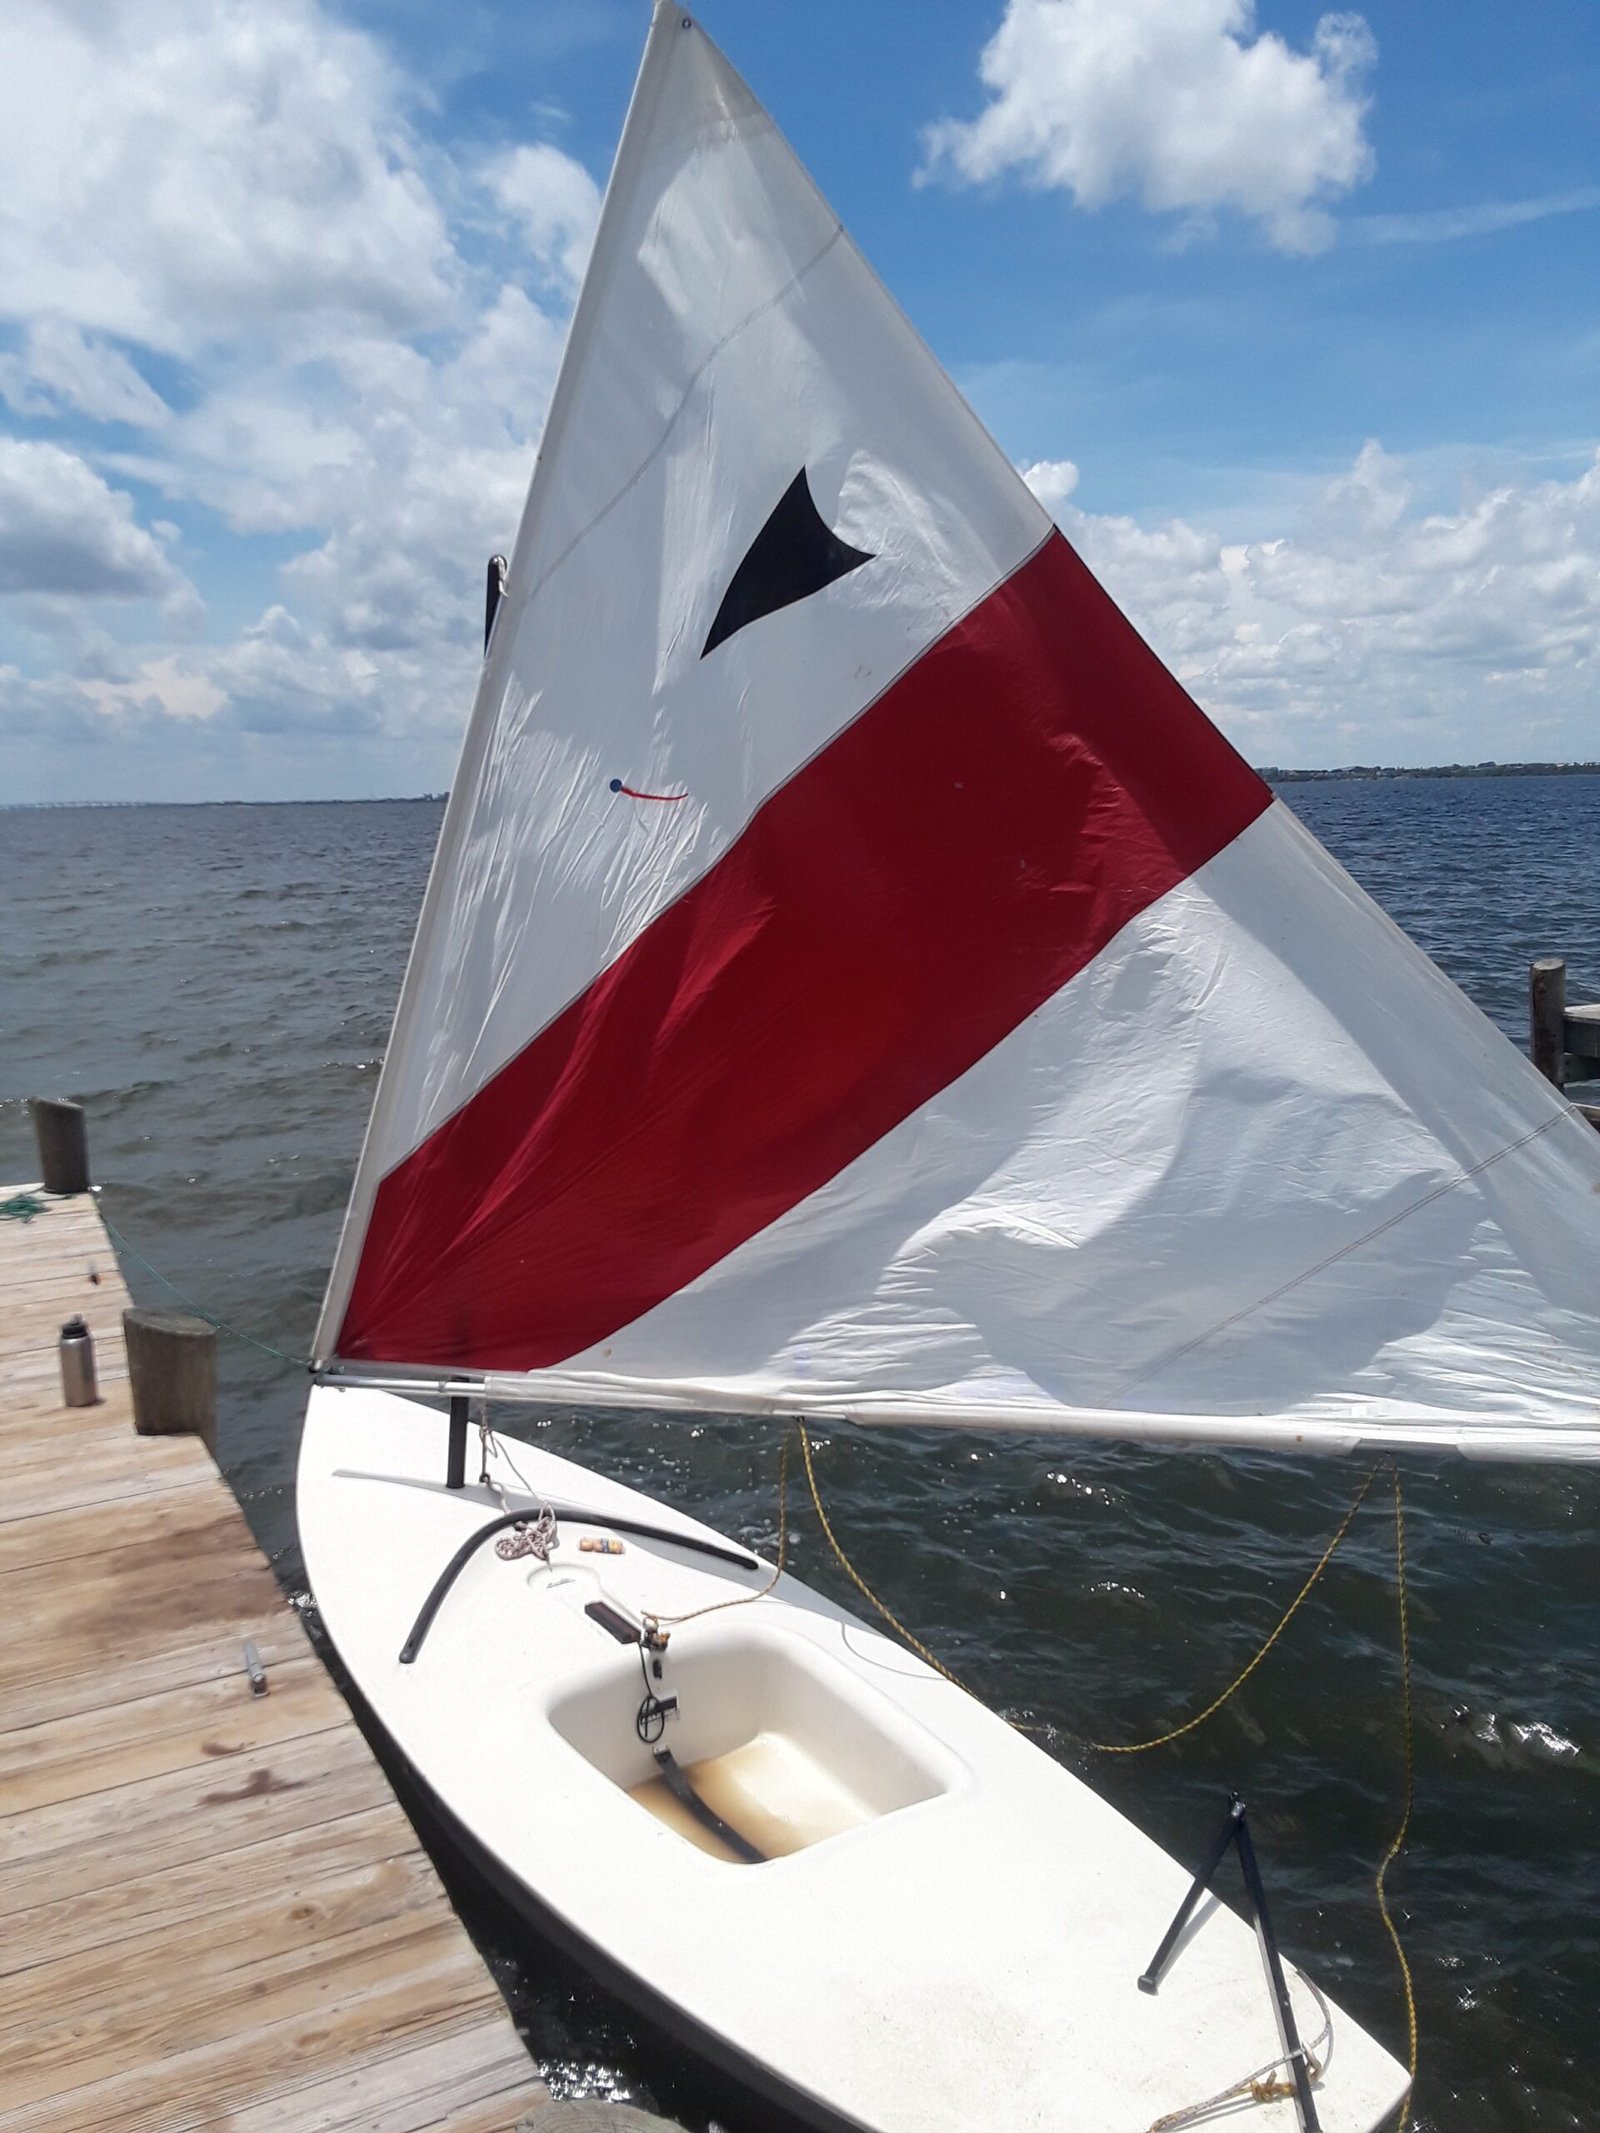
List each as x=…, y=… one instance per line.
x=793, y=556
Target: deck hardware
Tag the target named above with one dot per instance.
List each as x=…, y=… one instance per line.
x=1236, y=1832
x=494, y=591
x=464, y=1554
x=655, y=1640
x=253, y=1667
x=612, y=1619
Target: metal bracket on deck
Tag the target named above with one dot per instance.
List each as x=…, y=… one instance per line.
x=1236, y=1831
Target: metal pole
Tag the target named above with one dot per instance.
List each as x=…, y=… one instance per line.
x=1288, y=2031
x=1202, y=1881
x=455, y=1473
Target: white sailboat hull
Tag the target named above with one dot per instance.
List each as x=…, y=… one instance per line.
x=956, y=1924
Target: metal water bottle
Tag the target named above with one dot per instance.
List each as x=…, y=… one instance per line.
x=76, y=1349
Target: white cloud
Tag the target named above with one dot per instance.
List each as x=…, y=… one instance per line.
x=172, y=171
x=279, y=677
x=64, y=531
x=1052, y=480
x=170, y=687
x=60, y=369
x=1485, y=218
x=1462, y=635
x=554, y=199
x=238, y=200
x=1175, y=103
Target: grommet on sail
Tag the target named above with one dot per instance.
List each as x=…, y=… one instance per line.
x=975, y=1039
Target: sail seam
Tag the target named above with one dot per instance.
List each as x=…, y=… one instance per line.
x=1223, y=1325
x=734, y=331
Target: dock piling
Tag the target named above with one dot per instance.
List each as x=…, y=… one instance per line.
x=62, y=1135
x=172, y=1365
x=1547, y=1017
x=1563, y=1041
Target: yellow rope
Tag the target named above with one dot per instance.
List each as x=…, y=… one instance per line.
x=1200, y=1717
x=855, y=1576
x=1393, y=1852
x=1176, y=1733
x=1160, y=1740
x=744, y=1598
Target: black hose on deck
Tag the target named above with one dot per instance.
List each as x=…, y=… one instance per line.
x=464, y=1554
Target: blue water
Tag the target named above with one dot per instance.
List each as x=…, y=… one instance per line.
x=215, y=983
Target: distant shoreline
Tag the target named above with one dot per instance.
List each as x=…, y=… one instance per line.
x=1271, y=772
x=1275, y=776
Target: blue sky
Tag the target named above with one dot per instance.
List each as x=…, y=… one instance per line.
x=1291, y=316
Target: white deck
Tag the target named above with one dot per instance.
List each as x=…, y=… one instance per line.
x=973, y=1951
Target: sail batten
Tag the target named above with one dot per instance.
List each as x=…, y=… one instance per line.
x=856, y=979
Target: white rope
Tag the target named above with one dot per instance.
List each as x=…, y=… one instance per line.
x=536, y=1534
x=1259, y=2086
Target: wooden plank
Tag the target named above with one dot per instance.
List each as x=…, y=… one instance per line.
x=214, y=1654
x=120, y=1617
x=41, y=1407
x=161, y=1463
x=63, y=1759
x=54, y=1536
x=78, y=1845
x=133, y=1565
x=38, y=1372
x=71, y=1926
x=271, y=1935
x=460, y=2083
x=213, y=1914
x=362, y=1986
x=268, y=2062
x=94, y=1442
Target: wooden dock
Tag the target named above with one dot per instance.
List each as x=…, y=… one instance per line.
x=213, y=1914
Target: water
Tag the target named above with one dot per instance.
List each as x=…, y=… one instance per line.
x=216, y=984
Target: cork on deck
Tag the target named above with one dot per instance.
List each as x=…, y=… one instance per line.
x=213, y=1914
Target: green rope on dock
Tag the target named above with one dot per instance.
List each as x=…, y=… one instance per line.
x=21, y=1207
x=233, y=1332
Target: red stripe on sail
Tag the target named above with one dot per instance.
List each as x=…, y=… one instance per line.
x=918, y=889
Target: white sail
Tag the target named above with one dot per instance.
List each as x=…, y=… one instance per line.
x=855, y=979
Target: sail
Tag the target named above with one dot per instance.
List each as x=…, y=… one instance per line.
x=856, y=979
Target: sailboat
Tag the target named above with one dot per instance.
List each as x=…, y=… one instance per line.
x=856, y=982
